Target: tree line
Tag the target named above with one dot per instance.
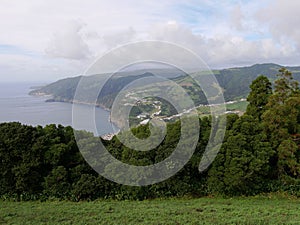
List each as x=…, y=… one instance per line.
x=260, y=153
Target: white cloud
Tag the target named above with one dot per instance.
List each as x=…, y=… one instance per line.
x=237, y=18
x=220, y=50
x=223, y=33
x=68, y=43
x=283, y=21
x=25, y=68
x=174, y=32
x=119, y=38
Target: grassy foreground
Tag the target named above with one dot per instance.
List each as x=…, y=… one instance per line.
x=254, y=210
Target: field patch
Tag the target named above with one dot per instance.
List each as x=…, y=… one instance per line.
x=254, y=210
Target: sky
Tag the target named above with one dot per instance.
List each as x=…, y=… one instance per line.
x=53, y=39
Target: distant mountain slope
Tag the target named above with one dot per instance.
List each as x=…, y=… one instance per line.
x=234, y=81
x=64, y=90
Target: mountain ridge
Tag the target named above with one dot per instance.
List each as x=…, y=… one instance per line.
x=234, y=81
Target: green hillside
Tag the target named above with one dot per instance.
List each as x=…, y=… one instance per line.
x=234, y=81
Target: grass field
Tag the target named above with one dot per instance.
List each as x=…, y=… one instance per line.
x=240, y=106
x=254, y=210
x=236, y=106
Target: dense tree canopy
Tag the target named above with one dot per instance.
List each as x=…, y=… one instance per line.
x=260, y=153
x=281, y=123
x=261, y=90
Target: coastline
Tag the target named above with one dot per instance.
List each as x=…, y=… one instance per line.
x=51, y=98
x=116, y=123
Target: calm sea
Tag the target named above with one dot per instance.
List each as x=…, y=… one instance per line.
x=17, y=105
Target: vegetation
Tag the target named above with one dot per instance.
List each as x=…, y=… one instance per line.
x=251, y=210
x=240, y=106
x=39, y=163
x=235, y=83
x=260, y=154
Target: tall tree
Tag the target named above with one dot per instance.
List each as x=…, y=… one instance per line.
x=285, y=87
x=281, y=123
x=261, y=90
x=242, y=165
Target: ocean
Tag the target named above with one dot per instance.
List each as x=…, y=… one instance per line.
x=16, y=105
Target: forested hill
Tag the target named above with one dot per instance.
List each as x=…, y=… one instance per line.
x=260, y=153
x=234, y=81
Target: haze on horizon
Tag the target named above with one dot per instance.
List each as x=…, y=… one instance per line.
x=50, y=40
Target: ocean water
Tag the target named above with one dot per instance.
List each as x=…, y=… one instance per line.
x=17, y=105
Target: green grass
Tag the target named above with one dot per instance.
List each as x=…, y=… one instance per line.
x=254, y=210
x=240, y=106
x=236, y=106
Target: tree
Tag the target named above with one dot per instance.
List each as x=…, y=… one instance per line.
x=242, y=166
x=281, y=123
x=261, y=90
x=86, y=187
x=285, y=87
x=288, y=164
x=56, y=183
x=21, y=161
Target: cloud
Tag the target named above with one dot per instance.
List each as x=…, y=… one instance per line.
x=68, y=43
x=174, y=32
x=119, y=38
x=223, y=33
x=283, y=21
x=237, y=18
x=38, y=69
x=221, y=50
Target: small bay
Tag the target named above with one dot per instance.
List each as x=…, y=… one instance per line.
x=17, y=106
